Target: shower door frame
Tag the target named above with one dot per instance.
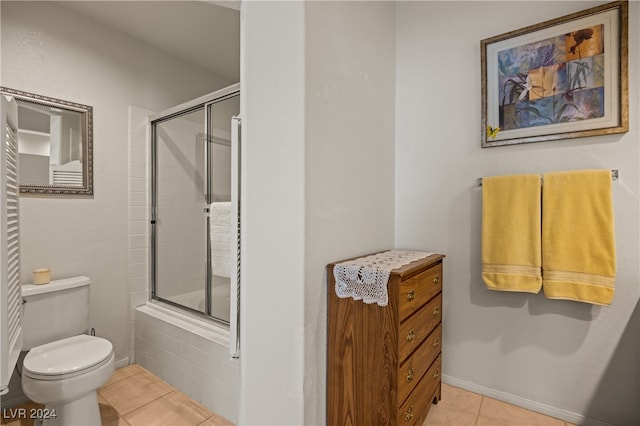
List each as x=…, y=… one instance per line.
x=203, y=103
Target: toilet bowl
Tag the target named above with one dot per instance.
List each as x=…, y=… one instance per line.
x=64, y=366
x=64, y=376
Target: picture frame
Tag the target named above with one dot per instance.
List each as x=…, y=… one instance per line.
x=559, y=79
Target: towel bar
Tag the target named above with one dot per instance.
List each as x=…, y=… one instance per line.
x=614, y=176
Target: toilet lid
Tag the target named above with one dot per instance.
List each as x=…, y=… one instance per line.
x=67, y=356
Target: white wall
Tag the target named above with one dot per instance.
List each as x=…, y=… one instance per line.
x=566, y=358
x=318, y=129
x=350, y=123
x=50, y=50
x=1, y=45
x=273, y=213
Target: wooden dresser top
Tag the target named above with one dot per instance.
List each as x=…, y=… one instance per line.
x=403, y=271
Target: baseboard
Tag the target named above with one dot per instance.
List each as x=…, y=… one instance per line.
x=538, y=407
x=122, y=362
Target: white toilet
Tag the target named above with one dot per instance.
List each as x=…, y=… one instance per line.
x=64, y=366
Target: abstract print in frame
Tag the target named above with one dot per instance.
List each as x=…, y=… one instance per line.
x=564, y=78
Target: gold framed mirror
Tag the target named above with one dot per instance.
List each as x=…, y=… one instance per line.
x=55, y=145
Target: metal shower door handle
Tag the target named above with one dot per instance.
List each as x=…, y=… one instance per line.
x=234, y=318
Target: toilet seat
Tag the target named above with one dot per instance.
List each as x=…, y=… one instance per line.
x=67, y=358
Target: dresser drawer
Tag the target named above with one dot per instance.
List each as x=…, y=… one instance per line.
x=412, y=370
x=383, y=362
x=418, y=290
x=417, y=327
x=414, y=410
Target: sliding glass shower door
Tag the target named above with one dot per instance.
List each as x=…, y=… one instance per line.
x=192, y=253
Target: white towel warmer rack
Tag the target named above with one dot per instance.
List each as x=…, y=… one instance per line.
x=10, y=291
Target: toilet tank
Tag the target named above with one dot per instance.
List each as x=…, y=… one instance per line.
x=54, y=311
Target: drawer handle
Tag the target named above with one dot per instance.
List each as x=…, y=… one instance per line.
x=436, y=312
x=436, y=373
x=410, y=374
x=408, y=415
x=411, y=295
x=411, y=335
x=436, y=280
x=436, y=343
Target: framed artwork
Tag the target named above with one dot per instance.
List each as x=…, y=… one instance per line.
x=564, y=78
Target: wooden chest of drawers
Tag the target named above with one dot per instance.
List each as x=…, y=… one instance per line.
x=384, y=363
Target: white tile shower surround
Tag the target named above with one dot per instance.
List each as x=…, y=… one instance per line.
x=189, y=358
x=138, y=274
x=191, y=362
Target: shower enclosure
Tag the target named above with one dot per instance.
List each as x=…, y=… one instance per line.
x=194, y=206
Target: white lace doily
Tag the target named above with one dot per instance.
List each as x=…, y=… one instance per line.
x=366, y=278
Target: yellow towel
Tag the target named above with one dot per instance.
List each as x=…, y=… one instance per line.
x=511, y=258
x=578, y=248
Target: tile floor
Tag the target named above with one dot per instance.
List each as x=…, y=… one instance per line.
x=459, y=407
x=135, y=397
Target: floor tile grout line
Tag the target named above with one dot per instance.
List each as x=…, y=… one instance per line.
x=155, y=380
x=180, y=393
x=146, y=403
x=479, y=406
x=126, y=423
x=176, y=393
x=204, y=421
x=169, y=390
x=124, y=378
x=219, y=416
x=479, y=409
x=467, y=409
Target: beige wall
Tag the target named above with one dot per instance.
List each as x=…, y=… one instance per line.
x=569, y=359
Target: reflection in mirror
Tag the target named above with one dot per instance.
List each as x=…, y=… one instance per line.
x=54, y=145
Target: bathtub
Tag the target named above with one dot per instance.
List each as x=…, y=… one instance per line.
x=196, y=299
x=190, y=354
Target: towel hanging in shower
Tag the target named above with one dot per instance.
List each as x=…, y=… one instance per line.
x=220, y=229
